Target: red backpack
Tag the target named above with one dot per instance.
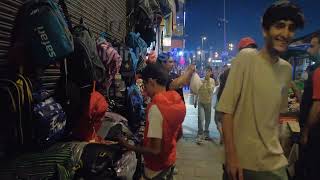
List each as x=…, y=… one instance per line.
x=90, y=121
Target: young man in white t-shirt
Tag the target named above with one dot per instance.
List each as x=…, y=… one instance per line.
x=252, y=99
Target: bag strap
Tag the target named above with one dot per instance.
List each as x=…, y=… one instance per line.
x=66, y=80
x=14, y=106
x=64, y=7
x=94, y=86
x=19, y=99
x=28, y=90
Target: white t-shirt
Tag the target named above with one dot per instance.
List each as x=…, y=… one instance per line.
x=253, y=94
x=154, y=131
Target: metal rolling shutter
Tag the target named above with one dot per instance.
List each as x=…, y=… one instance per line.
x=97, y=14
x=8, y=11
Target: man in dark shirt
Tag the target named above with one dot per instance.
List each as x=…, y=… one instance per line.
x=310, y=118
x=176, y=82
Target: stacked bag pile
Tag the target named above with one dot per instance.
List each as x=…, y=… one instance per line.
x=72, y=133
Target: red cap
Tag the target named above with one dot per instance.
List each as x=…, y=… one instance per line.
x=246, y=41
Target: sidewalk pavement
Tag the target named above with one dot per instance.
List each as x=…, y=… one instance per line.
x=198, y=162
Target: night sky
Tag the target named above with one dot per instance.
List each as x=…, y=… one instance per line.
x=244, y=18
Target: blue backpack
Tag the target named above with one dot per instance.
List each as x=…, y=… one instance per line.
x=50, y=119
x=138, y=45
x=46, y=31
x=135, y=108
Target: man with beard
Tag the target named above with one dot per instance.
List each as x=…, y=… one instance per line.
x=252, y=100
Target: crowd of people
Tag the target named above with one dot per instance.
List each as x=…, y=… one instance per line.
x=251, y=96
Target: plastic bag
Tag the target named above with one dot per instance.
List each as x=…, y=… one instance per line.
x=113, y=125
x=126, y=166
x=195, y=83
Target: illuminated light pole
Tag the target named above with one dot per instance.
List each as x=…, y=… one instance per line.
x=216, y=54
x=203, y=38
x=231, y=46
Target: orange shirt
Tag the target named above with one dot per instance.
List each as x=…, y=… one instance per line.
x=316, y=84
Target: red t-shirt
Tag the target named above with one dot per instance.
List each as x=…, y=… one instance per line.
x=316, y=84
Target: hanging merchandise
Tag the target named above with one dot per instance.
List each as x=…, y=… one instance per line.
x=148, y=34
x=138, y=45
x=135, y=108
x=128, y=67
x=41, y=29
x=16, y=113
x=143, y=12
x=85, y=65
x=110, y=58
x=90, y=120
x=50, y=119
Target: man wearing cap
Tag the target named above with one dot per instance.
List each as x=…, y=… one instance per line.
x=244, y=43
x=165, y=114
x=252, y=100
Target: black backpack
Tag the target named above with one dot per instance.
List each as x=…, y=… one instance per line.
x=17, y=132
x=85, y=65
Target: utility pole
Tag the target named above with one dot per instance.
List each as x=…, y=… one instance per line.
x=203, y=38
x=224, y=25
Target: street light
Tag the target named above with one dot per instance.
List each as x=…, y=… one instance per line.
x=199, y=52
x=216, y=54
x=231, y=46
x=203, y=38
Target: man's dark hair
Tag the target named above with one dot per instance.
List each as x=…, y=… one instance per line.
x=209, y=68
x=157, y=72
x=163, y=57
x=283, y=10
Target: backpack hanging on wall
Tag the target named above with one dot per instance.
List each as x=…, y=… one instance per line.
x=90, y=121
x=110, y=58
x=45, y=33
x=85, y=65
x=128, y=67
x=136, y=113
x=17, y=132
x=135, y=41
x=50, y=119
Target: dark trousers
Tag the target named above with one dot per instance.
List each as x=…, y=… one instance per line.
x=307, y=167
